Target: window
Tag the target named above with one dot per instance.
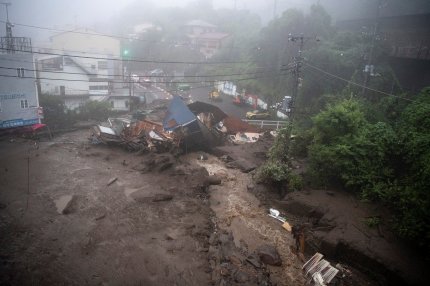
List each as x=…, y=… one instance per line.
x=103, y=65
x=93, y=67
x=24, y=103
x=99, y=87
x=20, y=72
x=52, y=63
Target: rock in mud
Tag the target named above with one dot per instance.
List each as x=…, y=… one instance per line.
x=64, y=203
x=142, y=197
x=241, y=276
x=162, y=198
x=213, y=239
x=111, y=181
x=241, y=164
x=165, y=166
x=226, y=158
x=213, y=180
x=254, y=260
x=269, y=255
x=235, y=260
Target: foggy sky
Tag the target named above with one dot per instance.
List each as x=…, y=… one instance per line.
x=87, y=13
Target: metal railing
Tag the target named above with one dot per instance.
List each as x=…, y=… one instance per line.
x=267, y=124
x=15, y=44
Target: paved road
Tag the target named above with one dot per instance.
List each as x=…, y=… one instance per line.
x=197, y=94
x=151, y=92
x=226, y=105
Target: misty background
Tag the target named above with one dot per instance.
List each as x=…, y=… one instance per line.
x=109, y=16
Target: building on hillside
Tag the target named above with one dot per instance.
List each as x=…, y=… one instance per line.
x=19, y=102
x=141, y=29
x=86, y=66
x=408, y=37
x=63, y=76
x=94, y=48
x=205, y=37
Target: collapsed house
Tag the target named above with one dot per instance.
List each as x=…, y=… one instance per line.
x=169, y=125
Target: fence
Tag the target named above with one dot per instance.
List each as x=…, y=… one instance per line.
x=267, y=124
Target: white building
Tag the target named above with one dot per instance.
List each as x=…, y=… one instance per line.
x=85, y=66
x=63, y=76
x=19, y=102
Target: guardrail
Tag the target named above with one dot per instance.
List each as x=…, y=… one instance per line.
x=267, y=123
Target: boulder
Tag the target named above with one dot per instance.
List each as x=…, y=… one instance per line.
x=269, y=255
x=64, y=203
x=213, y=180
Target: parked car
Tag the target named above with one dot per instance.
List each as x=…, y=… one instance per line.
x=257, y=114
x=214, y=95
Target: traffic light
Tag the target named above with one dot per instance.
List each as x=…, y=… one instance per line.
x=125, y=52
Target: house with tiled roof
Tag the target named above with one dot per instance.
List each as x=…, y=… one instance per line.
x=205, y=37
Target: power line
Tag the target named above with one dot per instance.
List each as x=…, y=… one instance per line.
x=80, y=32
x=129, y=59
x=356, y=84
x=149, y=76
x=176, y=82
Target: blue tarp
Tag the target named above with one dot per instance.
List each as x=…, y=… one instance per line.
x=178, y=114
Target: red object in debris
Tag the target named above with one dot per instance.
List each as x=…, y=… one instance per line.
x=37, y=126
x=235, y=125
x=30, y=129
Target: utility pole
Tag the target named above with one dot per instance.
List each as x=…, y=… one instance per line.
x=368, y=69
x=297, y=65
x=9, y=25
x=129, y=91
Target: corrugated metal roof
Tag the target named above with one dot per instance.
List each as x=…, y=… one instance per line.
x=178, y=114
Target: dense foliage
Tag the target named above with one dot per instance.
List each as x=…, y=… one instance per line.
x=382, y=162
x=277, y=170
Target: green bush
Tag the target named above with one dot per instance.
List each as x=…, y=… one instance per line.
x=273, y=172
x=372, y=222
x=57, y=116
x=94, y=110
x=55, y=113
x=295, y=182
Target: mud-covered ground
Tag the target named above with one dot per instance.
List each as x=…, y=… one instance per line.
x=156, y=219
x=161, y=222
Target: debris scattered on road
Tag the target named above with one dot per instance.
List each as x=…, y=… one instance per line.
x=173, y=124
x=244, y=137
x=287, y=226
x=276, y=215
x=319, y=270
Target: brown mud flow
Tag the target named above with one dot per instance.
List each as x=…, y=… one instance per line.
x=98, y=215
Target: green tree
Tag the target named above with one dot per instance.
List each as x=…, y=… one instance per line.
x=55, y=113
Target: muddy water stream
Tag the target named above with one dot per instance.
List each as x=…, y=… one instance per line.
x=239, y=211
